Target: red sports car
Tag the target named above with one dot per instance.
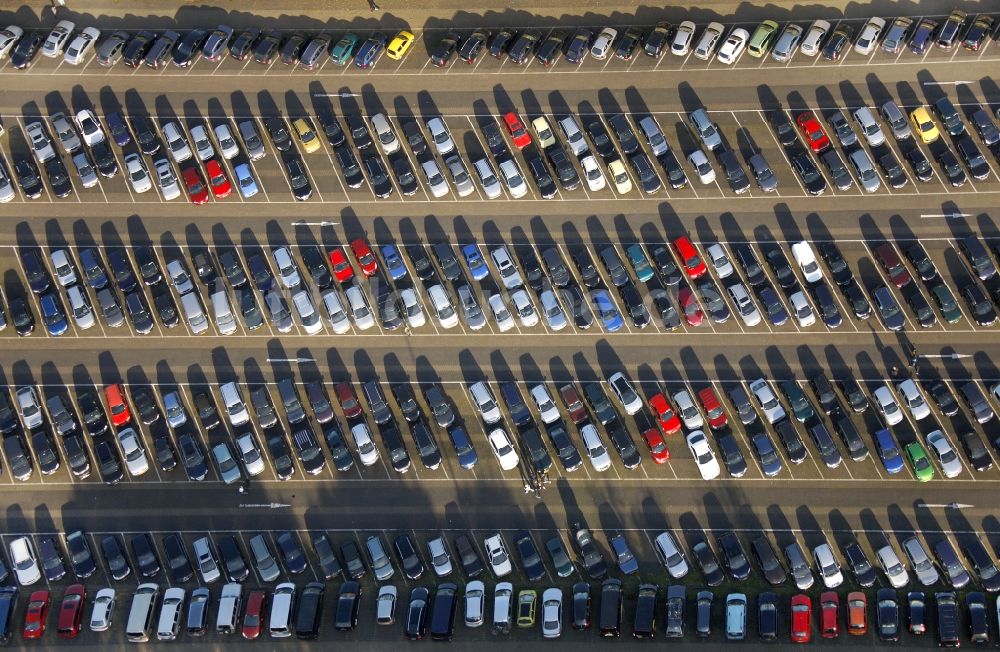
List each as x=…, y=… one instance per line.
x=801, y=625
x=34, y=617
x=217, y=178
x=813, y=131
x=253, y=619
x=517, y=131
x=829, y=608
x=689, y=306
x=669, y=421
x=693, y=264
x=366, y=259
x=71, y=611
x=116, y=403
x=657, y=447
x=716, y=415
x=195, y=185
x=342, y=269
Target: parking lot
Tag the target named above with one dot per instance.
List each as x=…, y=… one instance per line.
x=809, y=502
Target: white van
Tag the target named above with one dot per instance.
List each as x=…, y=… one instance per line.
x=485, y=401
x=232, y=398
x=224, y=319
x=140, y=614
x=194, y=313
x=736, y=616
x=443, y=307
x=229, y=608
x=386, y=136
x=170, y=614
x=503, y=607
x=282, y=605
x=311, y=323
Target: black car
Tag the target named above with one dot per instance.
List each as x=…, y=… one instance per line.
x=675, y=173
x=980, y=306
x=643, y=169
x=500, y=42
x=48, y=459
x=839, y=269
x=353, y=177
x=569, y=456
x=416, y=614
x=108, y=463
x=657, y=39
x=192, y=458
x=623, y=132
x=166, y=456
x=80, y=556
x=166, y=308
x=711, y=299
x=149, y=268
x=892, y=170
x=628, y=42
x=975, y=451
x=8, y=417
x=585, y=266
x=189, y=48
x=229, y=261
x=592, y=557
x=524, y=46
x=266, y=46
x=308, y=451
x=145, y=134
x=838, y=171
x=145, y=405
x=856, y=298
x=579, y=45
x=919, y=164
x=409, y=560
x=146, y=559
x=115, y=558
x=353, y=561
x=733, y=556
x=568, y=177
x=982, y=564
x=971, y=156
x=599, y=403
x=51, y=560
x=774, y=573
x=767, y=616
x=827, y=305
x=292, y=553
x=540, y=173
x=315, y=262
x=403, y=171
x=811, y=178
x=778, y=262
x=550, y=49
x=208, y=414
x=104, y=159
x=581, y=605
x=291, y=49
x=392, y=439
x=858, y=562
x=840, y=39
x=34, y=270
x=441, y=54
x=887, y=619
x=783, y=128
x=921, y=309
x=665, y=264
x=28, y=177
x=278, y=131
x=340, y=454
x=941, y=396
x=121, y=270
x=298, y=178
x=348, y=601
x=730, y=453
x=735, y=175
x=26, y=49
x=519, y=412
x=308, y=611
x=137, y=48
x=634, y=304
x=708, y=563
x=58, y=177
x=422, y=265
x=978, y=33
x=329, y=565
x=378, y=177
x=579, y=307
x=921, y=262
x=472, y=564
x=178, y=562
x=473, y=45
x=825, y=394
x=427, y=448
x=602, y=141
x=623, y=444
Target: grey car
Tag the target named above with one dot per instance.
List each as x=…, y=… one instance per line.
x=109, y=308
x=459, y=175
x=378, y=559
x=841, y=127
x=471, y=311
x=174, y=409
x=888, y=308
x=867, y=176
x=85, y=169
x=770, y=463
x=762, y=173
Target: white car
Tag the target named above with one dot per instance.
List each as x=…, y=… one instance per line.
x=103, y=611
x=435, y=180
x=826, y=564
x=363, y=440
x=501, y=315
x=717, y=256
x=303, y=303
x=921, y=562
x=626, y=394
x=894, y=570
x=552, y=613
x=702, y=166
x=137, y=173
x=440, y=135
x=180, y=151
x=513, y=178
x=496, y=554
x=887, y=405
x=40, y=142
x=445, y=311
x=25, y=562
x=7, y=191
x=81, y=46
x=709, y=40
x=703, y=455
x=135, y=456
x=602, y=45
x=814, y=38
x=57, y=38
x=202, y=144
x=249, y=454
x=9, y=36
x=227, y=144
x=90, y=127
x=503, y=449
x=437, y=550
x=806, y=259
x=546, y=406
x=83, y=314
x=744, y=304
x=733, y=46
x=804, y=314
x=681, y=43
x=869, y=36
x=288, y=271
x=335, y=312
x=166, y=179
x=914, y=399
x=623, y=184
x=773, y=411
x=508, y=270
x=63, y=268
x=951, y=465
x=687, y=410
x=670, y=554
x=596, y=451
x=171, y=610
x=413, y=310
x=475, y=603
x=592, y=173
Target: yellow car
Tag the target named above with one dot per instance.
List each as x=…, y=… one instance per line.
x=304, y=129
x=526, y=608
x=400, y=45
x=924, y=124
x=620, y=176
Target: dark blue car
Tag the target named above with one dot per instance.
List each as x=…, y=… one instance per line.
x=53, y=315
x=467, y=457
x=118, y=129
x=888, y=451
x=370, y=51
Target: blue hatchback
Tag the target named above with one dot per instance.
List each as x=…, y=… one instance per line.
x=393, y=262
x=475, y=262
x=607, y=311
x=888, y=451
x=467, y=457
x=53, y=315
x=116, y=124
x=245, y=180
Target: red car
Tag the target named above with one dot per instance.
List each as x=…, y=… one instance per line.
x=716, y=415
x=669, y=421
x=71, y=611
x=253, y=619
x=801, y=626
x=348, y=400
x=517, y=131
x=657, y=447
x=813, y=131
x=195, y=185
x=116, y=403
x=693, y=264
x=366, y=259
x=689, y=306
x=217, y=179
x=34, y=617
x=574, y=405
x=829, y=607
x=342, y=269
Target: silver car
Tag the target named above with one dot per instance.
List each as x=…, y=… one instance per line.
x=867, y=176
x=179, y=276
x=40, y=142
x=435, y=180
x=554, y=315
x=379, y=560
x=135, y=455
x=441, y=136
x=174, y=409
x=137, y=173
x=787, y=43
x=85, y=169
x=166, y=179
x=109, y=308
x=471, y=312
x=437, y=550
x=29, y=407
x=921, y=562
x=249, y=454
x=227, y=144
x=459, y=175
x=487, y=178
x=65, y=132
x=288, y=271
x=83, y=315
x=335, y=312
x=7, y=191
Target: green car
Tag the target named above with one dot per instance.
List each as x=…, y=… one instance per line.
x=640, y=263
x=946, y=302
x=919, y=461
x=762, y=38
x=341, y=53
x=801, y=407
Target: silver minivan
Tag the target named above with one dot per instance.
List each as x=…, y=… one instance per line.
x=867, y=175
x=140, y=614
x=574, y=137
x=282, y=607
x=736, y=616
x=896, y=120
x=180, y=151
x=869, y=127
x=487, y=178
x=654, y=135
x=251, y=140
x=485, y=402
x=232, y=398
x=224, y=319
x=229, y=608
x=194, y=313
x=706, y=130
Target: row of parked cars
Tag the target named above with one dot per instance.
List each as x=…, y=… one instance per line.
x=311, y=51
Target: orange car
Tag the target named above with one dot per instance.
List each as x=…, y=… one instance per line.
x=857, y=613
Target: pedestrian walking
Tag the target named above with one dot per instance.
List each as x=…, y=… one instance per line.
x=894, y=371
x=372, y=6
